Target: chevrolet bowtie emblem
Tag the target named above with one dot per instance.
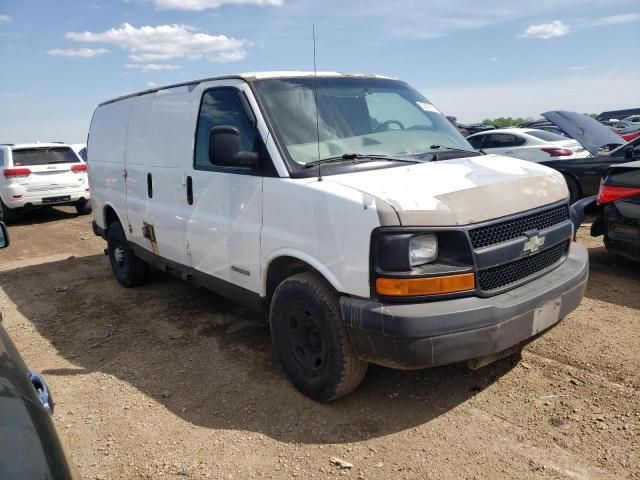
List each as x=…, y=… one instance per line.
x=533, y=244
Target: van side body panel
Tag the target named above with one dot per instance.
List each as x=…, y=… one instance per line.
x=324, y=224
x=159, y=146
x=106, y=156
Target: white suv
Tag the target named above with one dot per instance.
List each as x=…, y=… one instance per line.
x=41, y=174
x=348, y=208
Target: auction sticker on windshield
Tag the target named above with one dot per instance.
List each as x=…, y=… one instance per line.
x=427, y=107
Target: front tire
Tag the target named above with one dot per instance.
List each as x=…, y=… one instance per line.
x=128, y=269
x=311, y=341
x=7, y=215
x=83, y=207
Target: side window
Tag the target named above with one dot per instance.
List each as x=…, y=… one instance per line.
x=1, y=157
x=476, y=142
x=222, y=107
x=503, y=140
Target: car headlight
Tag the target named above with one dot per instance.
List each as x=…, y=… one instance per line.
x=423, y=249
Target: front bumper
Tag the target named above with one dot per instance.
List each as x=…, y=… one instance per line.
x=419, y=335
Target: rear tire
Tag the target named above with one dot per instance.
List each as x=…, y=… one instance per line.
x=128, y=269
x=84, y=207
x=7, y=215
x=574, y=190
x=311, y=341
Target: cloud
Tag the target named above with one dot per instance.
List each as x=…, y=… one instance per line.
x=167, y=42
x=577, y=67
x=597, y=92
x=546, y=30
x=200, y=5
x=5, y=18
x=559, y=29
x=152, y=67
x=152, y=84
x=77, y=52
x=617, y=19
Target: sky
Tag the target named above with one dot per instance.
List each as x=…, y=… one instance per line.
x=472, y=59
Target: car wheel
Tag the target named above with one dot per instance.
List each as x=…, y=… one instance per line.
x=83, y=207
x=311, y=341
x=128, y=269
x=574, y=190
x=7, y=215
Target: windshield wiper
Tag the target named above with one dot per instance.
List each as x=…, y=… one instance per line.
x=357, y=158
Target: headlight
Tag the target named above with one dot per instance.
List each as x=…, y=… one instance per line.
x=422, y=249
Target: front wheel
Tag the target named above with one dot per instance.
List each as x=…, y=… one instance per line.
x=83, y=207
x=128, y=269
x=311, y=341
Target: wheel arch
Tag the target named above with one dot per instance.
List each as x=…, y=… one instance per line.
x=283, y=264
x=109, y=215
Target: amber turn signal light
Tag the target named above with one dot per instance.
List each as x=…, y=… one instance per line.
x=413, y=287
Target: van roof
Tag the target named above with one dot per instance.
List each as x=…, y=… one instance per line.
x=248, y=76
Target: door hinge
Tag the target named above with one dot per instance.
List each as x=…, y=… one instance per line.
x=130, y=229
x=188, y=249
x=124, y=173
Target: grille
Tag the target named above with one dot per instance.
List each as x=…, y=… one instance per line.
x=501, y=232
x=504, y=275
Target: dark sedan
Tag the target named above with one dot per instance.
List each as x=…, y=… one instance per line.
x=29, y=445
x=619, y=211
x=583, y=174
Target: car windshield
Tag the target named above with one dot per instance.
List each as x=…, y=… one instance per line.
x=355, y=115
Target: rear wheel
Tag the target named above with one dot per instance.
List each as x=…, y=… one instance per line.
x=574, y=190
x=83, y=207
x=7, y=215
x=311, y=341
x=128, y=269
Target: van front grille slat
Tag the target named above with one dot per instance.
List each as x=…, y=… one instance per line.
x=508, y=230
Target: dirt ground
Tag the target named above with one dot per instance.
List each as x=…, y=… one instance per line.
x=170, y=381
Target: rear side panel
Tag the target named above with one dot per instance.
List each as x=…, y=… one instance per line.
x=159, y=146
x=106, y=153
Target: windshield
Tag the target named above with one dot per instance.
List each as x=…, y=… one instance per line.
x=366, y=116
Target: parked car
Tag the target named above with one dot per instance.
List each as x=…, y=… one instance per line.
x=618, y=114
x=605, y=147
x=81, y=150
x=619, y=210
x=583, y=175
x=476, y=127
x=454, y=121
x=41, y=174
x=318, y=200
x=29, y=445
x=527, y=144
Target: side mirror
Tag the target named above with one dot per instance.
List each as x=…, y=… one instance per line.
x=4, y=236
x=628, y=153
x=225, y=149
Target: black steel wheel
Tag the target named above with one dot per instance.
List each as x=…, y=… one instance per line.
x=311, y=340
x=128, y=269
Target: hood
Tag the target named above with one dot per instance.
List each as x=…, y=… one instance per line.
x=591, y=134
x=461, y=191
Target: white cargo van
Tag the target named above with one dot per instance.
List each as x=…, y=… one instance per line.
x=41, y=174
x=348, y=208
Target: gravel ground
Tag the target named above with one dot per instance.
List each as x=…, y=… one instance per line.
x=171, y=381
